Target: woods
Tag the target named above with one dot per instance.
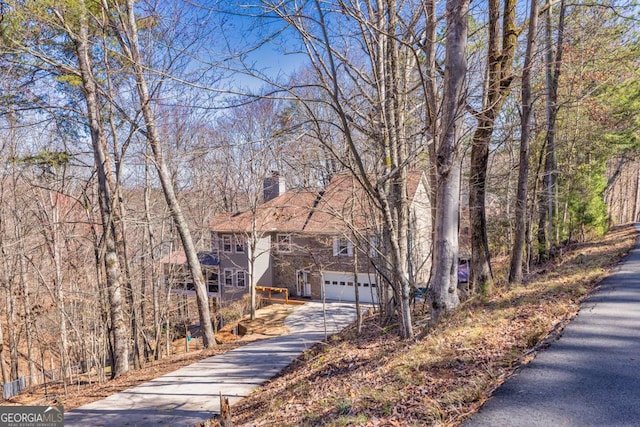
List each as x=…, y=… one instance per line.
x=127, y=126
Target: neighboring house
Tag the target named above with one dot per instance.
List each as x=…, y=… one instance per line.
x=315, y=242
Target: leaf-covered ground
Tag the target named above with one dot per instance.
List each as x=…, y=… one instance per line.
x=443, y=377
x=269, y=322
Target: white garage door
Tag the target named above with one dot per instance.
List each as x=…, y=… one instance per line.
x=339, y=286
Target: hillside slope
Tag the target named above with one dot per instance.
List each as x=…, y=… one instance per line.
x=378, y=379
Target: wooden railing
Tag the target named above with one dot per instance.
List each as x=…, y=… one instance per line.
x=270, y=289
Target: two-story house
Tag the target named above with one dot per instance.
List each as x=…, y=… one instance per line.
x=314, y=243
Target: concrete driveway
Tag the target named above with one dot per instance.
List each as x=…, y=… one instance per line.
x=190, y=395
x=590, y=376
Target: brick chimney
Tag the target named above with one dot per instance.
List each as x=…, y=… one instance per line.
x=273, y=186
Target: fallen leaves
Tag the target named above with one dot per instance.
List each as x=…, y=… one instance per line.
x=444, y=377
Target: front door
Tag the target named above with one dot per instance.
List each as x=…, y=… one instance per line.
x=303, y=287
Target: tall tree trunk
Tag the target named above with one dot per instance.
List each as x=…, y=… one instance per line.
x=481, y=274
x=135, y=322
x=132, y=295
x=3, y=358
x=4, y=269
x=444, y=289
x=54, y=252
x=431, y=91
x=352, y=209
x=253, y=250
x=14, y=261
x=105, y=344
x=119, y=213
x=357, y=292
x=150, y=237
x=12, y=316
x=26, y=302
x=499, y=77
x=132, y=48
x=553, y=64
x=105, y=188
x=393, y=195
x=516, y=263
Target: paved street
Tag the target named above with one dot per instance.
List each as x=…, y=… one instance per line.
x=591, y=376
x=191, y=395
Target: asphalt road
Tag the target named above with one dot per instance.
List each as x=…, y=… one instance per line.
x=591, y=375
x=190, y=395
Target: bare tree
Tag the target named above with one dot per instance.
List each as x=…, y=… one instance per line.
x=127, y=32
x=106, y=184
x=444, y=288
x=500, y=54
x=252, y=135
x=515, y=267
x=3, y=367
x=553, y=65
x=369, y=98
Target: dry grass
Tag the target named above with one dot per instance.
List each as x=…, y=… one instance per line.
x=378, y=379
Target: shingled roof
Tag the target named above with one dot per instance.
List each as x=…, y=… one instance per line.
x=179, y=258
x=341, y=205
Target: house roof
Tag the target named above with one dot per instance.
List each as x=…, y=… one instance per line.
x=286, y=213
x=342, y=205
x=179, y=257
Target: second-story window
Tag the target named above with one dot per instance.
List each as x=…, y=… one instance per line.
x=342, y=247
x=240, y=242
x=283, y=242
x=374, y=246
x=226, y=244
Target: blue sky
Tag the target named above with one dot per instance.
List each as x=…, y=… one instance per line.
x=246, y=27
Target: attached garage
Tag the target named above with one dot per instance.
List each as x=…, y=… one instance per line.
x=339, y=286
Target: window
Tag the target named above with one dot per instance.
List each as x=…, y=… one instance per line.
x=241, y=278
x=239, y=244
x=342, y=247
x=374, y=246
x=228, y=277
x=226, y=244
x=283, y=242
x=212, y=281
